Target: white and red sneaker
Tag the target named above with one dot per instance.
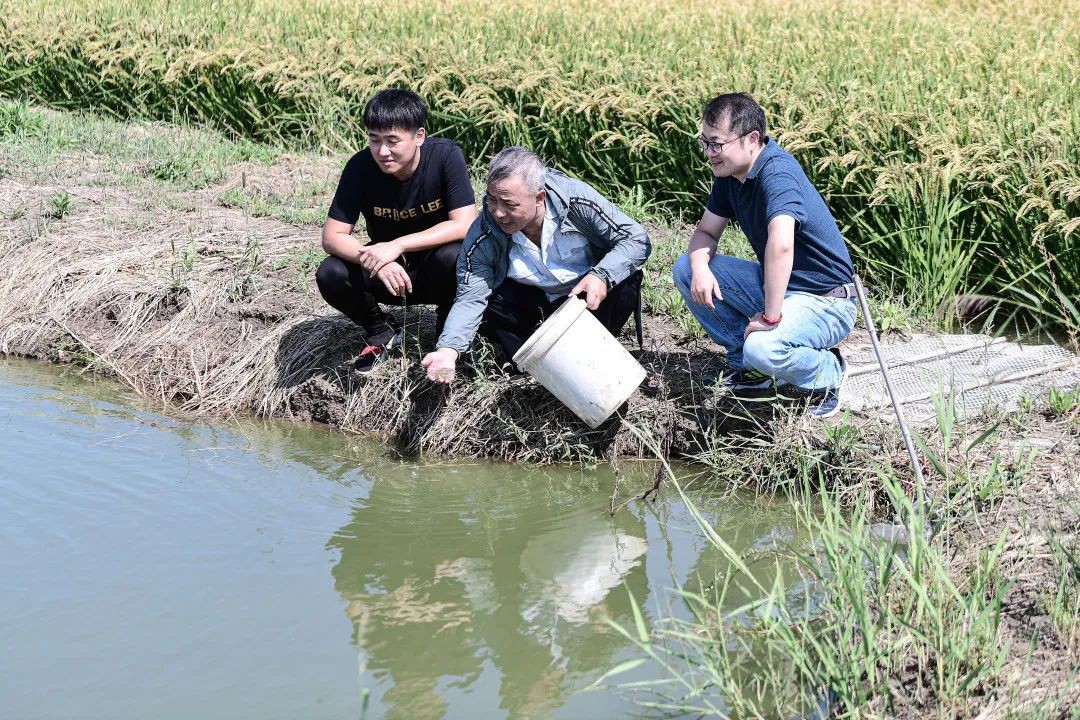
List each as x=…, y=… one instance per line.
x=371, y=356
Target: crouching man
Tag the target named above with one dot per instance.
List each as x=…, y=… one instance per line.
x=417, y=202
x=778, y=318
x=541, y=238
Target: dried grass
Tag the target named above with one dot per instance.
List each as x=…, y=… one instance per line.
x=189, y=309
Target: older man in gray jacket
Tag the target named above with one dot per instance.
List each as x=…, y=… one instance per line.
x=541, y=238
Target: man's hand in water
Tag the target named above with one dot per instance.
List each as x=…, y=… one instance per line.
x=440, y=365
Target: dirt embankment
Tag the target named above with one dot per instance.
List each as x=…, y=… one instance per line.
x=175, y=277
x=214, y=311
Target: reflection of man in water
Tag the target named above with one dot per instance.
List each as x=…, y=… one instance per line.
x=577, y=571
x=477, y=586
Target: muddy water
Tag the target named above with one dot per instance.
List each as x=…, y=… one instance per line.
x=159, y=568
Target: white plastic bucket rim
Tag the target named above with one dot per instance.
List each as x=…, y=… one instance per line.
x=549, y=332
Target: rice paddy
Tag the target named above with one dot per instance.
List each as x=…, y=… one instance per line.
x=942, y=134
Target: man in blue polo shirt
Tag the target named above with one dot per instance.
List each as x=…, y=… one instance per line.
x=778, y=318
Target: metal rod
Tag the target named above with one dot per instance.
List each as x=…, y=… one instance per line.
x=872, y=330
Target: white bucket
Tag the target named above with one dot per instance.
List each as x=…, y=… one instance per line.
x=574, y=356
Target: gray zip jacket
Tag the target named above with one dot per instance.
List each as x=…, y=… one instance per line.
x=619, y=248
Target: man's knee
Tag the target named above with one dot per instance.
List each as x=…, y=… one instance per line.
x=501, y=304
x=680, y=271
x=332, y=274
x=439, y=274
x=765, y=352
x=445, y=257
x=513, y=303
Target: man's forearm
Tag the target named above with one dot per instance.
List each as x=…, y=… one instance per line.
x=347, y=246
x=343, y=245
x=445, y=232
x=779, y=256
x=701, y=249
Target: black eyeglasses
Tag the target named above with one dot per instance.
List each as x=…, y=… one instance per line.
x=716, y=147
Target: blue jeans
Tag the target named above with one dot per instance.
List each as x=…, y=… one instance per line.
x=795, y=351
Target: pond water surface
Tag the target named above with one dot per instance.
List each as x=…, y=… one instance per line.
x=159, y=568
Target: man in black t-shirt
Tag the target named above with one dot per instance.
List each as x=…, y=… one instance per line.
x=417, y=202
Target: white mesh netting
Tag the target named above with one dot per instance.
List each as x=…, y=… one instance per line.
x=981, y=372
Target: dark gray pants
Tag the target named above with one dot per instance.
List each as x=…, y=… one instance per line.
x=515, y=310
x=348, y=287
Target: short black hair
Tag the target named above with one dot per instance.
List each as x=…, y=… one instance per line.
x=395, y=108
x=743, y=114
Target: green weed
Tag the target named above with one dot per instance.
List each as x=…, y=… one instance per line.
x=60, y=204
x=183, y=262
x=1061, y=402
x=245, y=282
x=1063, y=604
x=892, y=315
x=859, y=615
x=638, y=205
x=18, y=120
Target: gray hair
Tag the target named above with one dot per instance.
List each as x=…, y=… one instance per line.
x=516, y=161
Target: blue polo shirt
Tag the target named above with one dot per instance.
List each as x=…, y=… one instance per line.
x=777, y=185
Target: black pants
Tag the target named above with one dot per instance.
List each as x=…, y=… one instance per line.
x=348, y=287
x=515, y=310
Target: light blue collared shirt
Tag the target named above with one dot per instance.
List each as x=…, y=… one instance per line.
x=556, y=266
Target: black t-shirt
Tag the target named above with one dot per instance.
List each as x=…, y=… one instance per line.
x=392, y=208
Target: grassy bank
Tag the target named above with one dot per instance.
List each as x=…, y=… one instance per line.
x=943, y=135
x=182, y=264
x=976, y=617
